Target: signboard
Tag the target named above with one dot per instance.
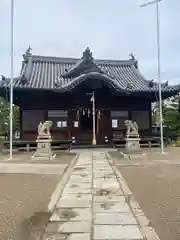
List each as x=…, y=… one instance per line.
x=59, y=124
x=64, y=124
x=114, y=123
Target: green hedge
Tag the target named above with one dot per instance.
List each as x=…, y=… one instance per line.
x=177, y=143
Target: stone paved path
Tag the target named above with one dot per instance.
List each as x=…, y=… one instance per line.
x=92, y=205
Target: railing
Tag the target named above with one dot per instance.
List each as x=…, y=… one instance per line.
x=22, y=145
x=119, y=141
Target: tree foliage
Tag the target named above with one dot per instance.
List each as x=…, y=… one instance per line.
x=171, y=115
x=4, y=116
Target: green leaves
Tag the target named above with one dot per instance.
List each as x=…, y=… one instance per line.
x=4, y=116
x=171, y=114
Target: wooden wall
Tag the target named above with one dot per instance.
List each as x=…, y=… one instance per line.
x=34, y=110
x=30, y=120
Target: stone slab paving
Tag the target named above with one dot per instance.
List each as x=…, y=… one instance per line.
x=92, y=205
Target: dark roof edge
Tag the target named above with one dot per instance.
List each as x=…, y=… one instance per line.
x=76, y=81
x=110, y=81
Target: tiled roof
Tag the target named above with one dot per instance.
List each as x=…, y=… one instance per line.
x=65, y=73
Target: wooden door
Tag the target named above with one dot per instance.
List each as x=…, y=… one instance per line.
x=81, y=135
x=103, y=127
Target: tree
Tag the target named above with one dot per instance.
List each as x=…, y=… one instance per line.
x=171, y=115
x=4, y=116
x=156, y=113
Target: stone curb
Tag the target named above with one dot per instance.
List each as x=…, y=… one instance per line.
x=121, y=180
x=57, y=192
x=147, y=231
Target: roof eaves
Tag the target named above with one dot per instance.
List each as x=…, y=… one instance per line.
x=5, y=82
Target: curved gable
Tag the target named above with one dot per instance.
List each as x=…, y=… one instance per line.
x=85, y=65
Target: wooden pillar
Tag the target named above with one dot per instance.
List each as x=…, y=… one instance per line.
x=21, y=122
x=129, y=114
x=74, y=131
x=45, y=115
x=69, y=123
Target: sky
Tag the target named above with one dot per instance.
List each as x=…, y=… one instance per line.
x=111, y=28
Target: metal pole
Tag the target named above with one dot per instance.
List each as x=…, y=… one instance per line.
x=11, y=81
x=94, y=121
x=159, y=78
x=158, y=68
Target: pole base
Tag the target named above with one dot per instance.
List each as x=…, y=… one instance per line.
x=94, y=141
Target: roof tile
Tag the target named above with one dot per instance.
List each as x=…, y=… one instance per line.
x=51, y=72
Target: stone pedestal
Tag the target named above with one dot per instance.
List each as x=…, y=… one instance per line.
x=43, y=150
x=132, y=146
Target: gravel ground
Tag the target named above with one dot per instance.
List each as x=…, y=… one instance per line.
x=151, y=154
x=171, y=153
x=156, y=188
x=23, y=203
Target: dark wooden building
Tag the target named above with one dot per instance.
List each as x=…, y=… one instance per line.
x=59, y=89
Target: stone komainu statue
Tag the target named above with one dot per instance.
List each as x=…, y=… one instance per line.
x=132, y=128
x=44, y=129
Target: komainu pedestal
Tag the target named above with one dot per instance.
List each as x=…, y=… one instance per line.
x=132, y=138
x=44, y=150
x=132, y=146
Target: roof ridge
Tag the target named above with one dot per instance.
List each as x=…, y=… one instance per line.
x=114, y=62
x=73, y=60
x=54, y=59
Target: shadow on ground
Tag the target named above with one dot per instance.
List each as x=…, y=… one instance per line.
x=33, y=228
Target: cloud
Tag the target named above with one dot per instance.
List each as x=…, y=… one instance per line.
x=112, y=29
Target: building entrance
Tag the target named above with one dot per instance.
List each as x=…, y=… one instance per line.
x=83, y=130
x=86, y=121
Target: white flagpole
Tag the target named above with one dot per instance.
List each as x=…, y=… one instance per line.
x=11, y=81
x=159, y=67
x=94, y=120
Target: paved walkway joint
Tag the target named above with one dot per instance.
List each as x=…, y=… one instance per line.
x=93, y=205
